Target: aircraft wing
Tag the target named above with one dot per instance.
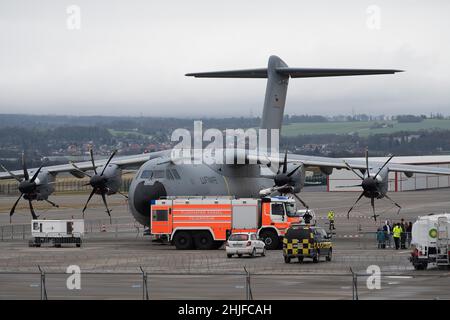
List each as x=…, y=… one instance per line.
x=123, y=162
x=338, y=163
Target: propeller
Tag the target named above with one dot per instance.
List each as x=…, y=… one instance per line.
x=98, y=181
x=370, y=185
x=284, y=183
x=27, y=187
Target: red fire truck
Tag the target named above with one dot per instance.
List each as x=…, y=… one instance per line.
x=206, y=223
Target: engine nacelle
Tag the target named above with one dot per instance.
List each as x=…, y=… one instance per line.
x=76, y=174
x=326, y=170
x=409, y=174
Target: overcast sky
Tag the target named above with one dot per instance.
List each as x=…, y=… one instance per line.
x=130, y=57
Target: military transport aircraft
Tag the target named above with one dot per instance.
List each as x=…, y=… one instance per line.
x=160, y=176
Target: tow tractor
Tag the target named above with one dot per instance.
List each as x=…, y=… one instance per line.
x=207, y=222
x=430, y=241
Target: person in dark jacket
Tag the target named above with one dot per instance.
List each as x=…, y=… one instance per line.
x=381, y=238
x=403, y=225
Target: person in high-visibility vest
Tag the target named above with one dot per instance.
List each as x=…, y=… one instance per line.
x=397, y=232
x=331, y=219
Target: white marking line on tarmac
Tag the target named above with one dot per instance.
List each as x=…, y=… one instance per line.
x=391, y=283
x=34, y=285
x=239, y=287
x=136, y=286
x=399, y=277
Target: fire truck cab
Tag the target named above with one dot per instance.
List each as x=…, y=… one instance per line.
x=206, y=223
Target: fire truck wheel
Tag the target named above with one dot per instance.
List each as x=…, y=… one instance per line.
x=203, y=240
x=217, y=244
x=183, y=240
x=270, y=238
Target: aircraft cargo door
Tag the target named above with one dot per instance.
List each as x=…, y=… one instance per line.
x=161, y=220
x=245, y=214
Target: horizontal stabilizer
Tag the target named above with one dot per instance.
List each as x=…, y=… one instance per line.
x=325, y=72
x=247, y=73
x=292, y=72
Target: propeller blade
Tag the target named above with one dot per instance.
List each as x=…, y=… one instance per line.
x=354, y=171
x=24, y=166
x=359, y=198
x=293, y=171
x=384, y=165
x=89, y=199
x=14, y=206
x=395, y=203
x=79, y=170
x=106, y=205
x=52, y=203
x=367, y=162
x=122, y=194
x=92, y=159
x=301, y=201
x=36, y=173
x=372, y=203
x=109, y=160
x=10, y=173
x=32, y=210
x=355, y=185
x=285, y=162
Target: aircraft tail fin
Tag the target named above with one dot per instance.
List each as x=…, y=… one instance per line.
x=278, y=74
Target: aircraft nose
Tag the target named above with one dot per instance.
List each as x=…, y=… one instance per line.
x=143, y=195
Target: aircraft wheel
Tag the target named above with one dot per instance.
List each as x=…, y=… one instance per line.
x=270, y=238
x=300, y=259
x=203, y=240
x=287, y=259
x=183, y=240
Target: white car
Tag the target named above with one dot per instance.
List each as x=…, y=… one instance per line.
x=245, y=243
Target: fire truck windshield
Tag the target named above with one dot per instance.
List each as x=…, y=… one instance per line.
x=290, y=210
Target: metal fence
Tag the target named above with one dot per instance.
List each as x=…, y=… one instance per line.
x=239, y=285
x=96, y=228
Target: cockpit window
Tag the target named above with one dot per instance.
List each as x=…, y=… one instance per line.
x=290, y=210
x=175, y=174
x=146, y=174
x=159, y=174
x=169, y=175
x=153, y=174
